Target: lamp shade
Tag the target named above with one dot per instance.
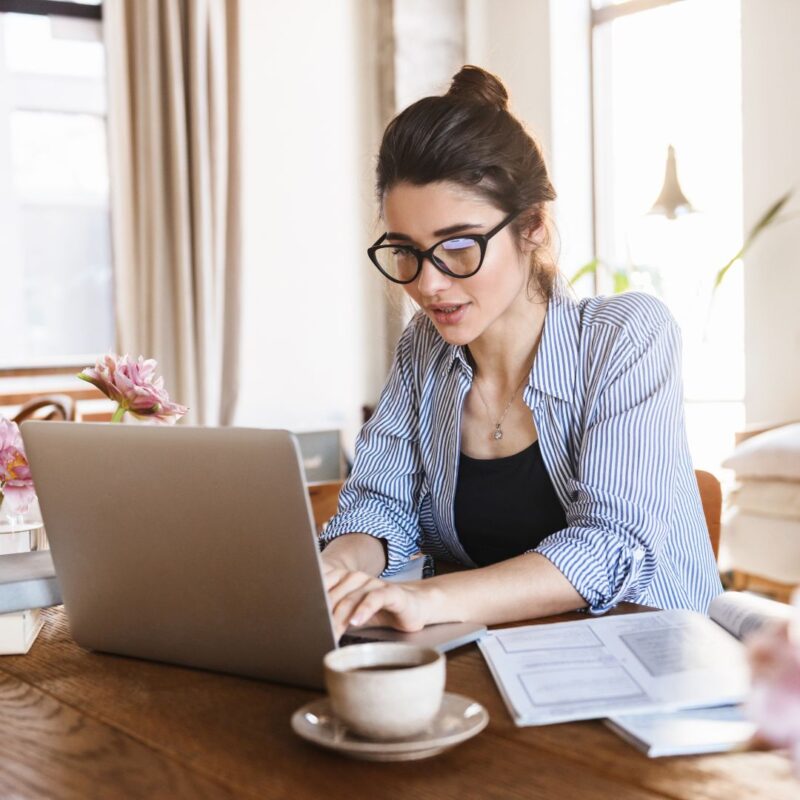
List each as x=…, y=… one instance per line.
x=672, y=202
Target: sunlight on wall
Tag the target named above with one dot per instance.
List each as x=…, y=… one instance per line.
x=657, y=85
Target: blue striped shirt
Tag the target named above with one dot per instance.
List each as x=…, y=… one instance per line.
x=605, y=392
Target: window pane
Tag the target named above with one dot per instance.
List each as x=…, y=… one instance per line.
x=54, y=46
x=656, y=85
x=68, y=297
x=59, y=156
x=54, y=213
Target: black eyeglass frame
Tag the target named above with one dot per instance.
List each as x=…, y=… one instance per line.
x=481, y=238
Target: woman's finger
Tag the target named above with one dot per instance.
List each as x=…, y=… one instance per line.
x=345, y=583
x=352, y=582
x=390, y=605
x=333, y=575
x=367, y=607
x=343, y=610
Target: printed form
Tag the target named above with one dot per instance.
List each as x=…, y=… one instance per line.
x=599, y=667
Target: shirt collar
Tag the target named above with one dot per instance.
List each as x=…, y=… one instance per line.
x=554, y=367
x=556, y=362
x=458, y=353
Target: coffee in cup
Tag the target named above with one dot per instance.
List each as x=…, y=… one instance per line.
x=385, y=690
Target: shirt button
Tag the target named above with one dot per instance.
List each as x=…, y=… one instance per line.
x=638, y=554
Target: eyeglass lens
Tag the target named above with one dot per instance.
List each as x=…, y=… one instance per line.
x=459, y=256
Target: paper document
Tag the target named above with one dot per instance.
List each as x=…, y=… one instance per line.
x=678, y=733
x=600, y=667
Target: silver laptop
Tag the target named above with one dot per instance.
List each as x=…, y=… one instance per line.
x=190, y=545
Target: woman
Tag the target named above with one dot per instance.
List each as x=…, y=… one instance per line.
x=536, y=439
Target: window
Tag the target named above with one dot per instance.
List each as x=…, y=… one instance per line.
x=657, y=85
x=56, y=300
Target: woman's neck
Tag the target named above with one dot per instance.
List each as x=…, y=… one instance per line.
x=504, y=353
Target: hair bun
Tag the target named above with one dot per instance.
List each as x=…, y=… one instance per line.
x=475, y=85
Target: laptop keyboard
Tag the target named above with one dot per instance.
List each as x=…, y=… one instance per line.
x=352, y=638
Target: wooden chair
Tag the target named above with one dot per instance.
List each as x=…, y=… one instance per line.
x=51, y=406
x=324, y=500
x=711, y=497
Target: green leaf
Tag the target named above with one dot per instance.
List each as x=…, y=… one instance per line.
x=587, y=269
x=767, y=219
x=622, y=281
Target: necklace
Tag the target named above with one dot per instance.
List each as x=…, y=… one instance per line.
x=497, y=433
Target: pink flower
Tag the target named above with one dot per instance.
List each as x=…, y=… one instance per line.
x=14, y=466
x=134, y=386
x=17, y=498
x=16, y=482
x=774, y=702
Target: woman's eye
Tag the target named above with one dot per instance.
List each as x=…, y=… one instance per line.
x=458, y=244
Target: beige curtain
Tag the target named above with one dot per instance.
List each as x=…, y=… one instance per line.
x=173, y=128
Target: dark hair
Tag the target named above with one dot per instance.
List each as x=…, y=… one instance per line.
x=468, y=137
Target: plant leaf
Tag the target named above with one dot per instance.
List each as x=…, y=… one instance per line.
x=587, y=269
x=622, y=281
x=767, y=219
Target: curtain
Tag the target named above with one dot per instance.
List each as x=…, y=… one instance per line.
x=174, y=143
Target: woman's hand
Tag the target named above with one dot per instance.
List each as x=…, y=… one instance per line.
x=360, y=599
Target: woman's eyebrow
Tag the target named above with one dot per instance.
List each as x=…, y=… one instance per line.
x=459, y=228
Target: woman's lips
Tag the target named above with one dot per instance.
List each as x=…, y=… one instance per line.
x=449, y=314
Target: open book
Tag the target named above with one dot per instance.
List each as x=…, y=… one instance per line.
x=703, y=730
x=741, y=613
x=629, y=664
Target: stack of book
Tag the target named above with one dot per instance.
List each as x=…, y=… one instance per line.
x=27, y=584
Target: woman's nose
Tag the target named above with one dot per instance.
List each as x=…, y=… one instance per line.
x=431, y=281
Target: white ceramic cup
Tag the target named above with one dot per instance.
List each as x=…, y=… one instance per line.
x=385, y=690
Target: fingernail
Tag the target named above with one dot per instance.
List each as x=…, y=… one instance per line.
x=355, y=620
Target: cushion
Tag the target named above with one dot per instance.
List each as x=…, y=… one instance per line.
x=764, y=546
x=769, y=498
x=774, y=454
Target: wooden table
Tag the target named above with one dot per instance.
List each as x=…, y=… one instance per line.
x=82, y=725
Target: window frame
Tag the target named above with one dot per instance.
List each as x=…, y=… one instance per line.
x=52, y=8
x=49, y=8
x=600, y=17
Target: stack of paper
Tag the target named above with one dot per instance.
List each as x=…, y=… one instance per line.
x=678, y=733
x=610, y=666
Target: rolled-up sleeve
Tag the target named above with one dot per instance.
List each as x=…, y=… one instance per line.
x=623, y=493
x=381, y=496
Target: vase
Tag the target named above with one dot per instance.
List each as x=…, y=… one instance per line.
x=16, y=502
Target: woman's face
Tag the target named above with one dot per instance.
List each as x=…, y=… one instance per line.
x=462, y=309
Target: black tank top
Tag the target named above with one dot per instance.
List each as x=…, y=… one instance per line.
x=505, y=506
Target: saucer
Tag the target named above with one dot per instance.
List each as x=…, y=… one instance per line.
x=458, y=719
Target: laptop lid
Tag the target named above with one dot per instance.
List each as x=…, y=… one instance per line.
x=184, y=544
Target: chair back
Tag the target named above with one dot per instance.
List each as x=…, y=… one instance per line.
x=324, y=500
x=51, y=406
x=711, y=497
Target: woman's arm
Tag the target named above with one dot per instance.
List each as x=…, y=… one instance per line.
x=380, y=499
x=628, y=461
x=356, y=552
x=524, y=587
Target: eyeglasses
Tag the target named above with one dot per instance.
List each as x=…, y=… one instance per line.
x=459, y=257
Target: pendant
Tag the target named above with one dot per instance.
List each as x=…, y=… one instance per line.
x=498, y=434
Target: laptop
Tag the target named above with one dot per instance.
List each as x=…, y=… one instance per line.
x=193, y=546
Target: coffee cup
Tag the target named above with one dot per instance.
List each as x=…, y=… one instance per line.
x=385, y=690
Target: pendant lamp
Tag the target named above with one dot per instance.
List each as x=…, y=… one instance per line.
x=672, y=202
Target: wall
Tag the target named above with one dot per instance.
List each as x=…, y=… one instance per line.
x=539, y=48
x=313, y=349
x=771, y=157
